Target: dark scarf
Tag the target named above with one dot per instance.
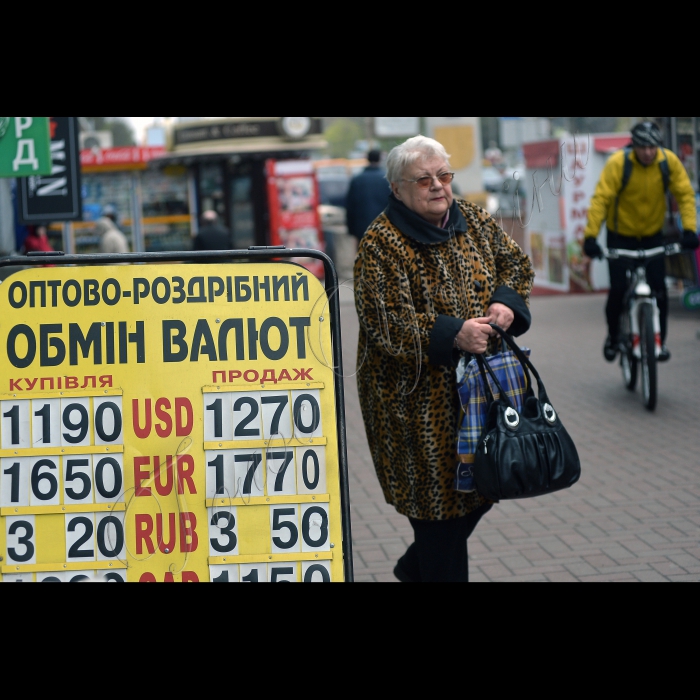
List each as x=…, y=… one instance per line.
x=417, y=228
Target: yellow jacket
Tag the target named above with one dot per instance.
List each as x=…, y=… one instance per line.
x=643, y=204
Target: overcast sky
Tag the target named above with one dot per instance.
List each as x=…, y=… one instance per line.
x=139, y=123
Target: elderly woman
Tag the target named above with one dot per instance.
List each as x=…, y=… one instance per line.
x=431, y=274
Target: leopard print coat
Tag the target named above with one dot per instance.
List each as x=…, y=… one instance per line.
x=411, y=407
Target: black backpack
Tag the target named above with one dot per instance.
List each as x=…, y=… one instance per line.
x=627, y=176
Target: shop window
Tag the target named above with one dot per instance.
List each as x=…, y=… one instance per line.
x=166, y=211
x=99, y=191
x=211, y=189
x=243, y=212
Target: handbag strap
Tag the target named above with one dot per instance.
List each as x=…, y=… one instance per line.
x=485, y=367
x=524, y=361
x=480, y=360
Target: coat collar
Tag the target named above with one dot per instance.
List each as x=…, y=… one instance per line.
x=413, y=226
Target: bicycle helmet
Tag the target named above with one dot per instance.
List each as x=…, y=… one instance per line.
x=647, y=134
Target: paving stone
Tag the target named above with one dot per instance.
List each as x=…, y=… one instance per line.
x=536, y=555
x=394, y=550
x=651, y=577
x=601, y=562
x=371, y=556
x=609, y=578
x=523, y=579
x=495, y=571
x=669, y=569
x=516, y=564
x=688, y=578
x=562, y=578
x=582, y=569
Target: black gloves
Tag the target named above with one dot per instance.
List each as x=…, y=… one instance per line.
x=592, y=249
x=690, y=240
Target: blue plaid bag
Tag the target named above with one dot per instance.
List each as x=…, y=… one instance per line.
x=475, y=405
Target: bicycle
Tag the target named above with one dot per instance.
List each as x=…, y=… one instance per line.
x=641, y=323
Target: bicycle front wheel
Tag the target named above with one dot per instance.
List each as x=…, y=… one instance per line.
x=628, y=362
x=649, y=365
x=630, y=368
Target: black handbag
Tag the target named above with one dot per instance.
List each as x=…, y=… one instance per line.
x=527, y=454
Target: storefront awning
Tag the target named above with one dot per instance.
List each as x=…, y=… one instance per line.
x=185, y=156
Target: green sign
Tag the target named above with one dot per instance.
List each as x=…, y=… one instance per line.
x=25, y=146
x=691, y=299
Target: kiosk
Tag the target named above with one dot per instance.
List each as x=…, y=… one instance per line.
x=227, y=162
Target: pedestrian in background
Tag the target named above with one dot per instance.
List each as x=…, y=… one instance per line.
x=112, y=240
x=213, y=235
x=368, y=196
x=431, y=274
x=37, y=240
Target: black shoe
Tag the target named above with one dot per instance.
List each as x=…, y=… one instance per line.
x=611, y=349
x=402, y=575
x=665, y=355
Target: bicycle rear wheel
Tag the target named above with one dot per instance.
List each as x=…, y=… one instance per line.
x=649, y=365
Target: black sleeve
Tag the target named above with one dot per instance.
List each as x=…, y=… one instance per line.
x=442, y=351
x=510, y=298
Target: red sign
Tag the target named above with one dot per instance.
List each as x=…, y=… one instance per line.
x=127, y=158
x=611, y=144
x=294, y=200
x=543, y=154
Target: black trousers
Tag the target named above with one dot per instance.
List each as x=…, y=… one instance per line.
x=656, y=277
x=440, y=554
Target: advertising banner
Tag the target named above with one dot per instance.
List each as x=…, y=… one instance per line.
x=561, y=180
x=55, y=197
x=169, y=423
x=24, y=146
x=294, y=199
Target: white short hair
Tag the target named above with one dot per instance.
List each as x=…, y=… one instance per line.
x=415, y=149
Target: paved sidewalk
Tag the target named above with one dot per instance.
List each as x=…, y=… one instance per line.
x=635, y=516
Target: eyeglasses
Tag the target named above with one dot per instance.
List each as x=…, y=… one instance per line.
x=425, y=183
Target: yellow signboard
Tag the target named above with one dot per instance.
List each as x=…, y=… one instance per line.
x=168, y=423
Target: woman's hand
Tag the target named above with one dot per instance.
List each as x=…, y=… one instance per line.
x=502, y=316
x=474, y=336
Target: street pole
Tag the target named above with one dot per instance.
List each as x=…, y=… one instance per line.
x=68, y=238
x=137, y=233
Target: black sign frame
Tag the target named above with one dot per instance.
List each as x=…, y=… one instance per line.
x=50, y=198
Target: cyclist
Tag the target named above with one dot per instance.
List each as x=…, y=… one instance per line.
x=632, y=198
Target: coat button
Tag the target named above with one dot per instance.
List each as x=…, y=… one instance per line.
x=478, y=286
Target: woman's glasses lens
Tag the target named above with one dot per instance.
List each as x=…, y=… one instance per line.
x=426, y=182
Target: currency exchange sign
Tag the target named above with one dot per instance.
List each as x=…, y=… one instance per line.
x=25, y=146
x=169, y=423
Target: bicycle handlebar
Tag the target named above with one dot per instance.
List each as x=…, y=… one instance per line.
x=668, y=250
